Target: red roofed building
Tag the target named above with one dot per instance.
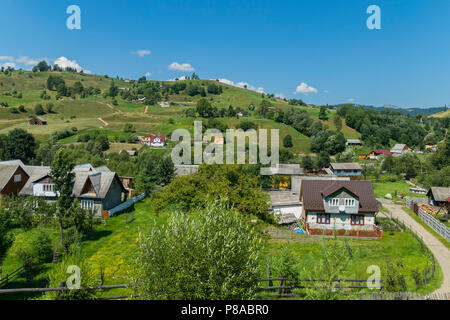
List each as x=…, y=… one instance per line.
x=376, y=153
x=154, y=141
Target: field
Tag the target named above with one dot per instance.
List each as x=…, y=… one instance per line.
x=442, y=114
x=112, y=248
x=401, y=187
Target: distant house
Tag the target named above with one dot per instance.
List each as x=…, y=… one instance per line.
x=353, y=143
x=349, y=169
x=38, y=121
x=13, y=177
x=154, y=141
x=219, y=140
x=433, y=147
x=400, y=149
x=164, y=104
x=438, y=196
x=286, y=205
x=376, y=153
x=342, y=207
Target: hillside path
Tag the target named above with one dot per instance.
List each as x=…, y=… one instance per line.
x=104, y=122
x=441, y=253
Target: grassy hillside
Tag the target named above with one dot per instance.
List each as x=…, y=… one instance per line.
x=442, y=114
x=24, y=88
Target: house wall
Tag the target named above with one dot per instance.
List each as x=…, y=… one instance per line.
x=113, y=197
x=38, y=190
x=340, y=221
x=342, y=195
x=13, y=188
x=347, y=173
x=295, y=209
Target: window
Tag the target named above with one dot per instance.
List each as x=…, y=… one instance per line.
x=333, y=202
x=17, y=178
x=357, y=220
x=87, y=204
x=323, y=219
x=350, y=202
x=48, y=187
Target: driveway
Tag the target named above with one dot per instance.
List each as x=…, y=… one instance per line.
x=441, y=253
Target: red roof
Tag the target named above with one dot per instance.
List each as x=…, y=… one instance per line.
x=379, y=151
x=162, y=138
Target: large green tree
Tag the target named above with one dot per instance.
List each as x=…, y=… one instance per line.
x=62, y=174
x=19, y=144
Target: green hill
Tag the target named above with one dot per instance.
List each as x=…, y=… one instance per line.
x=24, y=88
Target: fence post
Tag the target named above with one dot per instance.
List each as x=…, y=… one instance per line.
x=60, y=285
x=268, y=271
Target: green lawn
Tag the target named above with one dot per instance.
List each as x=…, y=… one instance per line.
x=395, y=246
x=400, y=187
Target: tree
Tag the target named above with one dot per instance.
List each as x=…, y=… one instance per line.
x=287, y=141
x=204, y=108
x=338, y=123
x=128, y=127
x=19, y=144
x=323, y=113
x=62, y=175
x=154, y=169
x=332, y=263
x=307, y=163
x=42, y=66
x=39, y=110
x=212, y=254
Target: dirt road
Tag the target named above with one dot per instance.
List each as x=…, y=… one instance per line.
x=441, y=252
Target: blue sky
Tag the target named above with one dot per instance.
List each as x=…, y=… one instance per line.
x=274, y=45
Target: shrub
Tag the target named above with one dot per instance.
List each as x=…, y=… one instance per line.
x=33, y=247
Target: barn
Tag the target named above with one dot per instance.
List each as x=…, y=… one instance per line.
x=38, y=121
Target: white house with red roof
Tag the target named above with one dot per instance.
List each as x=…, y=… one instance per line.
x=154, y=141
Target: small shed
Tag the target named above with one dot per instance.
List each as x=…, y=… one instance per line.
x=38, y=121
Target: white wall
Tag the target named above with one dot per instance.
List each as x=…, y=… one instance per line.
x=38, y=190
x=295, y=209
x=341, y=221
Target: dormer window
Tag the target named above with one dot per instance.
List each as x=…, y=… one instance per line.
x=350, y=202
x=17, y=178
x=48, y=187
x=333, y=202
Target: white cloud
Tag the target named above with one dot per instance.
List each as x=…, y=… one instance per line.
x=242, y=84
x=64, y=63
x=148, y=74
x=142, y=53
x=181, y=67
x=178, y=78
x=280, y=96
x=6, y=58
x=28, y=61
x=9, y=65
x=304, y=88
x=351, y=100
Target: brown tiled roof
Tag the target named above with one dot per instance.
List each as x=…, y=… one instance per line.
x=312, y=194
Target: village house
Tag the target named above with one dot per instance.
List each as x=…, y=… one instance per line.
x=131, y=153
x=97, y=189
x=377, y=153
x=438, y=196
x=164, y=104
x=12, y=178
x=38, y=121
x=347, y=208
x=353, y=143
x=349, y=169
x=400, y=149
x=154, y=141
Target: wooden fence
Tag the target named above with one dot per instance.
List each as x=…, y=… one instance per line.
x=11, y=276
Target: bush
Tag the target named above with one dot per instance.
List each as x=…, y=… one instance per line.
x=210, y=254
x=33, y=247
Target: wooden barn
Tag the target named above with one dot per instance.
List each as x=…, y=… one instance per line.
x=38, y=121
